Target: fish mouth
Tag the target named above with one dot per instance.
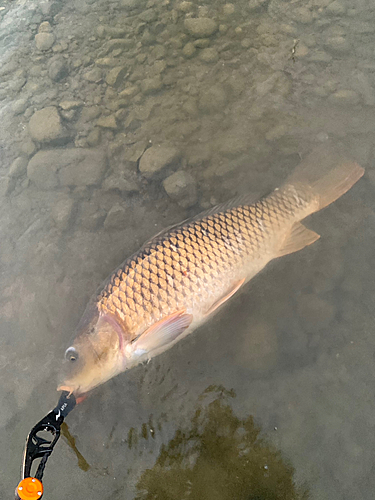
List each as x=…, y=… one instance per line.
x=66, y=388
x=78, y=397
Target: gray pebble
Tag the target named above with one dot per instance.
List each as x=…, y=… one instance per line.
x=90, y=113
x=19, y=106
x=345, y=96
x=45, y=126
x=303, y=15
x=228, y=9
x=108, y=122
x=49, y=169
x=189, y=50
x=337, y=44
x=275, y=133
x=106, y=62
x=202, y=43
x=18, y=82
x=129, y=4
x=336, y=8
x=255, y=4
x=363, y=85
x=181, y=188
x=94, y=75
x=28, y=147
x=68, y=105
x=200, y=27
x=58, y=68
x=148, y=15
x=117, y=218
x=118, y=43
x=118, y=181
x=69, y=114
x=321, y=3
x=7, y=185
x=135, y=151
x=45, y=27
x=301, y=51
x=76, y=63
x=151, y=85
x=157, y=158
x=60, y=47
x=18, y=167
x=116, y=76
x=246, y=43
x=44, y=41
x=129, y=92
x=62, y=212
x=185, y=6
x=93, y=138
x=90, y=215
x=159, y=52
x=190, y=107
x=209, y=55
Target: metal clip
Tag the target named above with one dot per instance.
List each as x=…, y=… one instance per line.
x=38, y=447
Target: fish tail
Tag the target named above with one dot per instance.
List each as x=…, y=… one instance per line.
x=328, y=175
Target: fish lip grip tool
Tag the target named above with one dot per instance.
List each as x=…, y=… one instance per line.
x=37, y=447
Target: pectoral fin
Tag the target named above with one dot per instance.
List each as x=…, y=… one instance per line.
x=298, y=238
x=161, y=333
x=235, y=286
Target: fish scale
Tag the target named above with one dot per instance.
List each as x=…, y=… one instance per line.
x=170, y=272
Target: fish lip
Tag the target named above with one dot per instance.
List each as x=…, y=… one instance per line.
x=78, y=397
x=66, y=388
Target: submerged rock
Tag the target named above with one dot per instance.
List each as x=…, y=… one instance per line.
x=45, y=126
x=108, y=122
x=44, y=41
x=94, y=75
x=62, y=212
x=18, y=167
x=118, y=181
x=181, y=187
x=116, y=76
x=209, y=55
x=49, y=169
x=189, y=50
x=151, y=85
x=58, y=68
x=156, y=159
x=117, y=218
x=19, y=106
x=200, y=27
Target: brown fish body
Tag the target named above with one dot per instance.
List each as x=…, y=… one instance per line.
x=177, y=280
x=193, y=265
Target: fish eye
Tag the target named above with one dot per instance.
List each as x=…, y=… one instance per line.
x=71, y=354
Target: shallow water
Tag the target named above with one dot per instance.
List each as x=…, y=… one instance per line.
x=231, y=103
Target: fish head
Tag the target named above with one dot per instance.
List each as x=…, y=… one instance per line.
x=93, y=357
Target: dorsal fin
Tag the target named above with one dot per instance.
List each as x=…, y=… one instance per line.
x=238, y=201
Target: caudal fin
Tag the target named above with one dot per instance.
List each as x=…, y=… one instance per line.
x=328, y=173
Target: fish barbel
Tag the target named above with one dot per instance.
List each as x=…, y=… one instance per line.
x=178, y=279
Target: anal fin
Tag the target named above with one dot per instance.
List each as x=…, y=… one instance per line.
x=235, y=286
x=298, y=238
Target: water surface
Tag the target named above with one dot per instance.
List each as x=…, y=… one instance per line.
x=230, y=104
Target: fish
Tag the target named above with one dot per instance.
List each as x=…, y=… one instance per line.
x=182, y=276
